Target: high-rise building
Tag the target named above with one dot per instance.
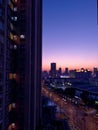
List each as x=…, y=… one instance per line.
x=59, y=72
x=53, y=66
x=53, y=70
x=20, y=64
x=95, y=72
x=66, y=71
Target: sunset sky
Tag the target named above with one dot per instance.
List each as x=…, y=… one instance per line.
x=70, y=33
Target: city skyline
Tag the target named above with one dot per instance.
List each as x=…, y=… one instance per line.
x=70, y=34
x=64, y=68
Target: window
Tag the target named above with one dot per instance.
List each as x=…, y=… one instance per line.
x=15, y=1
x=22, y=36
x=12, y=76
x=11, y=106
x=14, y=18
x=15, y=9
x=14, y=37
x=15, y=46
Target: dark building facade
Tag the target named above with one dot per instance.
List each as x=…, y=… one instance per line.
x=66, y=71
x=20, y=64
x=4, y=68
x=53, y=71
x=83, y=74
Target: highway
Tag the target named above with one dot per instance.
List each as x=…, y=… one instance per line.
x=79, y=117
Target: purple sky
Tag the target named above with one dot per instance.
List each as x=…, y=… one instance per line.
x=70, y=33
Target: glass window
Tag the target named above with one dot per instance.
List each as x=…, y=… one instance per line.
x=12, y=76
x=22, y=36
x=15, y=9
x=15, y=46
x=15, y=1
x=14, y=18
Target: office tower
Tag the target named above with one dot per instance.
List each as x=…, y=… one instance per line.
x=53, y=67
x=20, y=54
x=53, y=71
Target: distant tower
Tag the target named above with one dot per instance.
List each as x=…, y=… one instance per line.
x=95, y=69
x=66, y=71
x=60, y=71
x=95, y=72
x=53, y=70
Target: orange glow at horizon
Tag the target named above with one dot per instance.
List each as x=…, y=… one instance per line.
x=47, y=65
x=70, y=61
x=47, y=68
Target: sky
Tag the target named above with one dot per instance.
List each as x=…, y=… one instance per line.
x=69, y=34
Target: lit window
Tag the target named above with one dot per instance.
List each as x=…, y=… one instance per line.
x=14, y=18
x=13, y=126
x=14, y=76
x=15, y=47
x=13, y=105
x=10, y=76
x=15, y=1
x=15, y=9
x=9, y=107
x=22, y=36
x=11, y=36
x=15, y=37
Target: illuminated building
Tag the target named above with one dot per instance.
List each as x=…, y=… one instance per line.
x=20, y=64
x=83, y=74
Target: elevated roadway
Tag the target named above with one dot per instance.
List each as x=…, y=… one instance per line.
x=79, y=117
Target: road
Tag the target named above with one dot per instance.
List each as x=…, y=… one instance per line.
x=79, y=117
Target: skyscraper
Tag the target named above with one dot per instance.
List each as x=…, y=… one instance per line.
x=20, y=54
x=66, y=71
x=53, y=70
